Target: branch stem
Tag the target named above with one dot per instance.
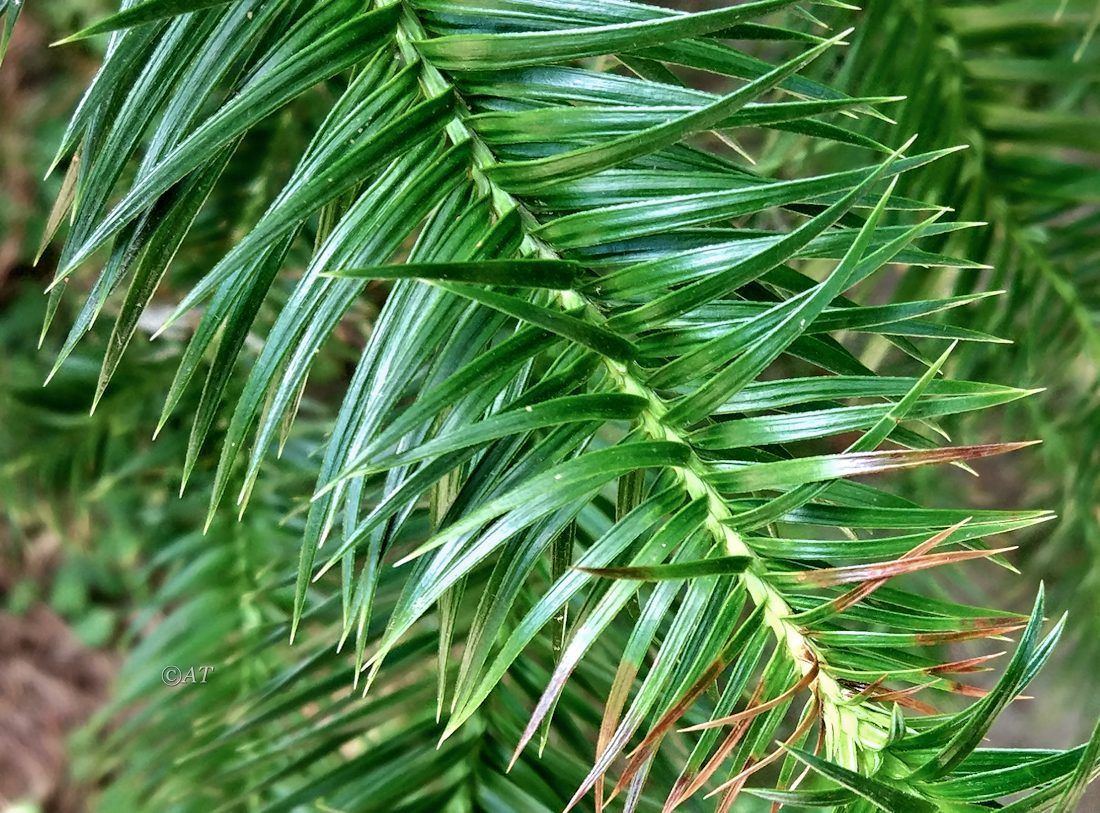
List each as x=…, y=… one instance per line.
x=851, y=728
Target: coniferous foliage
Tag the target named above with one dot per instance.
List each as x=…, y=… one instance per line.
x=607, y=473
x=1016, y=82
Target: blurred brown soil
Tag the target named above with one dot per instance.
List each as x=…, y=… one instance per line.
x=49, y=684
x=17, y=183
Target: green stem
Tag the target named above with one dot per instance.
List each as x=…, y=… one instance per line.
x=851, y=728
